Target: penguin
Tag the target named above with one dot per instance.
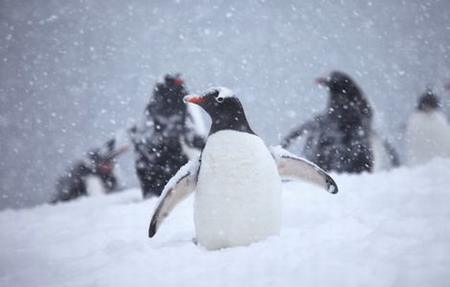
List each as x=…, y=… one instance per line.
x=236, y=179
x=427, y=131
x=167, y=139
x=385, y=156
x=341, y=138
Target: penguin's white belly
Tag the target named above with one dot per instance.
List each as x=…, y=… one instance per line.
x=427, y=136
x=238, y=196
x=380, y=158
x=94, y=186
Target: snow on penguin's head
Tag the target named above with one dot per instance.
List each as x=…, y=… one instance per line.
x=216, y=100
x=223, y=107
x=218, y=94
x=223, y=92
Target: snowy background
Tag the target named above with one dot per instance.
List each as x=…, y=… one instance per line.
x=73, y=73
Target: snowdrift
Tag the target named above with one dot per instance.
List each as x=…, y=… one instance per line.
x=385, y=229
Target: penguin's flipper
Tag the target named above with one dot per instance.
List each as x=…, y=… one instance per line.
x=293, y=167
x=176, y=190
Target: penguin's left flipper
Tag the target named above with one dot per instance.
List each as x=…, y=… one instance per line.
x=176, y=190
x=293, y=167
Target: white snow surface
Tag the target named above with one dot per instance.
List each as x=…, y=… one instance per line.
x=383, y=229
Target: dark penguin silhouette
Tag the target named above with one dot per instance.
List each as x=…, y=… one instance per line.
x=160, y=146
x=339, y=139
x=428, y=102
x=98, y=163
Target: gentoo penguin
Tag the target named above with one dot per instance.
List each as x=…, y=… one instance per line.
x=341, y=138
x=166, y=139
x=237, y=179
x=385, y=156
x=427, y=131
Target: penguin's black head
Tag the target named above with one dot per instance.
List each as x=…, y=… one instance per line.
x=347, y=103
x=428, y=102
x=339, y=83
x=224, y=108
x=174, y=80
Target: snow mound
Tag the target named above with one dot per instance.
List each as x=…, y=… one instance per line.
x=384, y=229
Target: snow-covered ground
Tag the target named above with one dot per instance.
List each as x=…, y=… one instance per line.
x=386, y=229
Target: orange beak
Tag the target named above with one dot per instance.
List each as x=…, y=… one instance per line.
x=194, y=99
x=179, y=82
x=322, y=82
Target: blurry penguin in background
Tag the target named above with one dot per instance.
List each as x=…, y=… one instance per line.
x=91, y=175
x=384, y=154
x=169, y=136
x=427, y=131
x=340, y=139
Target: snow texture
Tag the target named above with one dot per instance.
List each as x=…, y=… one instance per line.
x=383, y=229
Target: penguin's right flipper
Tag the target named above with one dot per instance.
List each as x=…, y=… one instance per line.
x=291, y=166
x=176, y=190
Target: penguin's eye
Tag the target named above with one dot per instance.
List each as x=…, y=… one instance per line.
x=220, y=99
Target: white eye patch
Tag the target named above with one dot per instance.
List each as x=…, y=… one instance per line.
x=222, y=92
